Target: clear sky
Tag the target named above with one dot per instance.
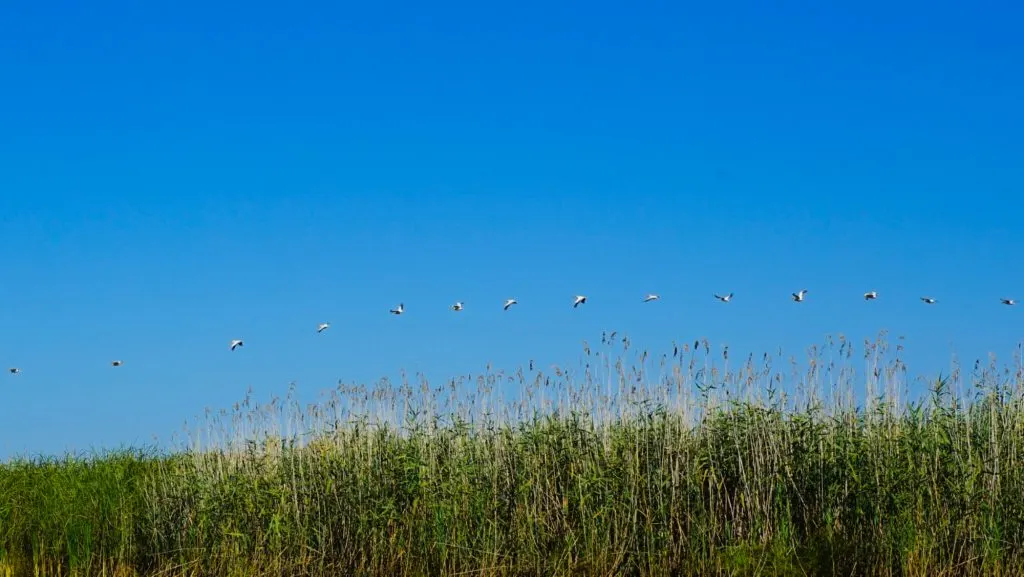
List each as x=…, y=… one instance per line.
x=176, y=175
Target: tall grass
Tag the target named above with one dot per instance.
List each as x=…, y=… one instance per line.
x=688, y=463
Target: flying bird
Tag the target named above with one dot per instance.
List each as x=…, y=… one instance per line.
x=399, y=309
x=870, y=296
x=651, y=297
x=798, y=297
x=116, y=363
x=457, y=306
x=14, y=370
x=928, y=300
x=724, y=298
x=237, y=343
x=1010, y=302
x=322, y=327
x=510, y=302
x=580, y=299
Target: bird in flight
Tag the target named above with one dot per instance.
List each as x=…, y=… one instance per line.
x=1010, y=302
x=399, y=309
x=322, y=327
x=870, y=296
x=651, y=297
x=798, y=297
x=237, y=343
x=510, y=302
x=457, y=306
x=580, y=299
x=928, y=300
x=14, y=370
x=116, y=363
x=724, y=298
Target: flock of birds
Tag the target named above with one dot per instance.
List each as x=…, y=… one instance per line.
x=579, y=300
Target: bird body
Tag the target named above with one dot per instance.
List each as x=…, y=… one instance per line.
x=928, y=300
x=1010, y=302
x=509, y=303
x=14, y=370
x=237, y=343
x=399, y=309
x=116, y=363
x=724, y=298
x=322, y=327
x=799, y=296
x=457, y=306
x=872, y=295
x=580, y=299
x=651, y=297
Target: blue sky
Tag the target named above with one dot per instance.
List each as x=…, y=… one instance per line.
x=174, y=176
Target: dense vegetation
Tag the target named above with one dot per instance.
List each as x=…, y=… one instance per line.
x=678, y=465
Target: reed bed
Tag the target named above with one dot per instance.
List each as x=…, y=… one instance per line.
x=687, y=463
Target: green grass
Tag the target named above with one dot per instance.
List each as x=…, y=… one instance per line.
x=632, y=465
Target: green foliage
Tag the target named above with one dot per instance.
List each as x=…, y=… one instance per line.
x=701, y=470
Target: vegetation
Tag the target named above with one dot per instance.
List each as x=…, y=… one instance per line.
x=631, y=465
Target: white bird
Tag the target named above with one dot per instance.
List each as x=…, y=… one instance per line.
x=724, y=298
x=399, y=309
x=928, y=300
x=457, y=306
x=798, y=297
x=237, y=343
x=510, y=302
x=116, y=363
x=580, y=299
x=651, y=297
x=322, y=327
x=1008, y=301
x=872, y=295
x=14, y=370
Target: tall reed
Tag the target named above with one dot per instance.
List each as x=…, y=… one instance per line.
x=686, y=463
